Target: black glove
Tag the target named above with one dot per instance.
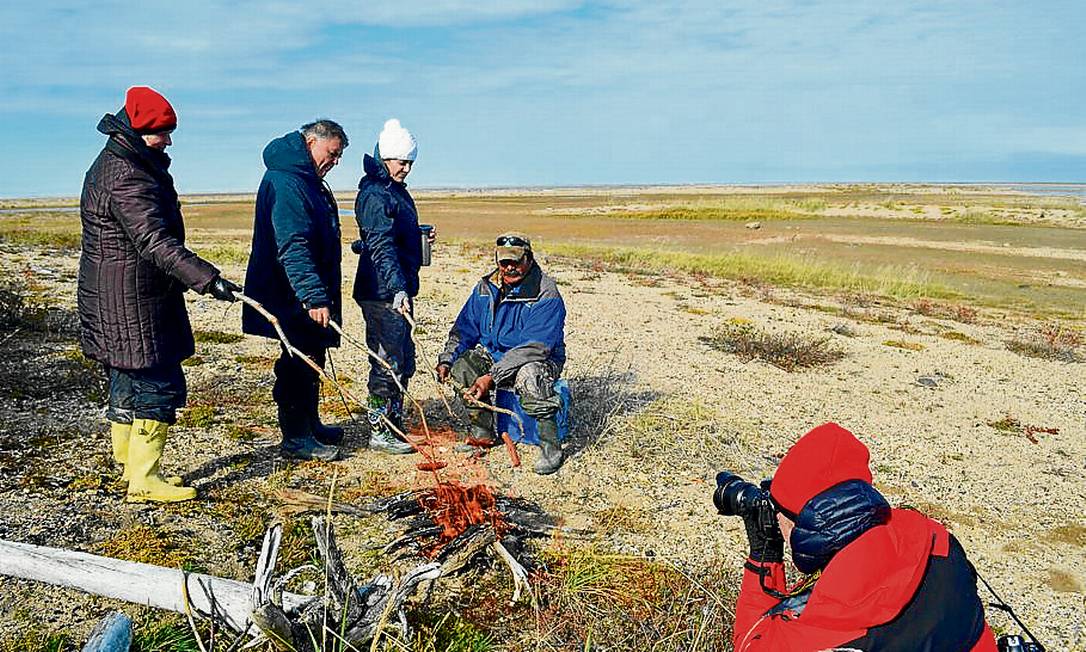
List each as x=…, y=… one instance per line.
x=766, y=543
x=222, y=289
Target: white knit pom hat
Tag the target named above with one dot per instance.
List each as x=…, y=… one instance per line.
x=397, y=142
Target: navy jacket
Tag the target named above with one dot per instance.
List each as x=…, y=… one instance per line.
x=391, y=241
x=528, y=325
x=295, y=261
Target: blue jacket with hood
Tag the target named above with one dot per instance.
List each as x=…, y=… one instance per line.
x=295, y=260
x=391, y=240
x=526, y=325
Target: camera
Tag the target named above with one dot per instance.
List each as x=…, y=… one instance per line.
x=734, y=496
x=1015, y=643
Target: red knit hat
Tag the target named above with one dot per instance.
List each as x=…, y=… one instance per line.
x=824, y=457
x=148, y=111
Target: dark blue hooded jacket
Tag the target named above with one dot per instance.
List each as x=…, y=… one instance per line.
x=391, y=240
x=295, y=261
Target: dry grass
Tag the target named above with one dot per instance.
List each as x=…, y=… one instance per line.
x=956, y=311
x=787, y=351
x=1052, y=341
x=595, y=600
x=157, y=545
x=1072, y=534
x=902, y=344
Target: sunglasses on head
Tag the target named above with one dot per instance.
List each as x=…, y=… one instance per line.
x=511, y=241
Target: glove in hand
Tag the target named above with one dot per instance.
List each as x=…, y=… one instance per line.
x=764, y=546
x=401, y=303
x=223, y=290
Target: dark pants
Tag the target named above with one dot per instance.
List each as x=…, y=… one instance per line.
x=389, y=336
x=155, y=393
x=533, y=384
x=297, y=385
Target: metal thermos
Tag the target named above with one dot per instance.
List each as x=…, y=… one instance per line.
x=426, y=230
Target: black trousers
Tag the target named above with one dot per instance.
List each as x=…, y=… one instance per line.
x=297, y=385
x=154, y=393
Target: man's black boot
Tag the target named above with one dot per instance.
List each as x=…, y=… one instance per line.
x=550, y=450
x=327, y=435
x=298, y=442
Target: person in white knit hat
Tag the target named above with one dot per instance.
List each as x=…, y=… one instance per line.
x=390, y=252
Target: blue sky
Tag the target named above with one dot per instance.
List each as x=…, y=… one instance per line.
x=555, y=92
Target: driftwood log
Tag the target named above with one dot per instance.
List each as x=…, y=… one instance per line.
x=228, y=601
x=347, y=612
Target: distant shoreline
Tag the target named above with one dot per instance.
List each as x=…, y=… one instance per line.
x=1047, y=188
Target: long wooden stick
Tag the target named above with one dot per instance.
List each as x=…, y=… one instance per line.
x=460, y=388
x=391, y=372
x=425, y=355
x=255, y=305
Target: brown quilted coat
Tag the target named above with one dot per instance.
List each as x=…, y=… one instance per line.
x=134, y=266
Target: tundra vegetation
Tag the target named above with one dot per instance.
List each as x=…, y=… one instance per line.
x=693, y=312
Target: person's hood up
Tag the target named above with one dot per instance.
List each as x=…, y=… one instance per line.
x=826, y=456
x=374, y=169
x=289, y=154
x=873, y=579
x=126, y=142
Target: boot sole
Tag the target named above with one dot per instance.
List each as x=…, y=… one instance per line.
x=138, y=498
x=306, y=458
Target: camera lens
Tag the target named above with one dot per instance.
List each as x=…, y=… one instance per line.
x=734, y=496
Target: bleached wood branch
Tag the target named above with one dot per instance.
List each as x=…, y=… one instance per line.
x=154, y=586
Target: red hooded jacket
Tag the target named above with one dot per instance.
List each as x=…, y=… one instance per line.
x=904, y=584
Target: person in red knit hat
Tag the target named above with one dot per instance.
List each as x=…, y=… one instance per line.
x=878, y=578
x=133, y=271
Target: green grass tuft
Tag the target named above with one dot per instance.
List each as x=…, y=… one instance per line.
x=217, y=337
x=197, y=416
x=890, y=281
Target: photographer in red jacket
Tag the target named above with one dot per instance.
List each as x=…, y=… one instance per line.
x=877, y=578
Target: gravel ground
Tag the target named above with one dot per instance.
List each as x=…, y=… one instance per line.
x=675, y=411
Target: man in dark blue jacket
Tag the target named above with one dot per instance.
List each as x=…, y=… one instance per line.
x=390, y=254
x=510, y=334
x=294, y=270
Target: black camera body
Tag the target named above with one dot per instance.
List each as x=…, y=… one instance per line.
x=734, y=496
x=1016, y=643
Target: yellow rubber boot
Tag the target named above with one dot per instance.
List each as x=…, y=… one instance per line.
x=120, y=433
x=145, y=445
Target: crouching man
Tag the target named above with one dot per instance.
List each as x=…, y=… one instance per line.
x=877, y=578
x=510, y=334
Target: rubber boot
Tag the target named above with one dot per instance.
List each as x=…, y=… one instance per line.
x=550, y=450
x=381, y=436
x=298, y=442
x=145, y=444
x=327, y=435
x=119, y=433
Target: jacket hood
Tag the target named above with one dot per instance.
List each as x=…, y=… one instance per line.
x=374, y=169
x=124, y=141
x=832, y=520
x=874, y=578
x=289, y=154
x=824, y=457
